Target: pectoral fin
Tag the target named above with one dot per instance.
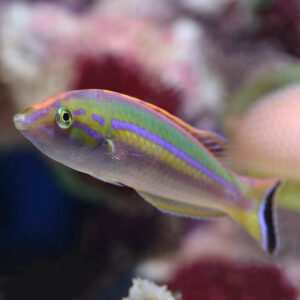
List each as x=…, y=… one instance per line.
x=181, y=209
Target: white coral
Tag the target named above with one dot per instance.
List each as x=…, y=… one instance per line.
x=40, y=45
x=143, y=289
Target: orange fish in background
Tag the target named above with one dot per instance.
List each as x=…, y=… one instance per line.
x=265, y=133
x=266, y=138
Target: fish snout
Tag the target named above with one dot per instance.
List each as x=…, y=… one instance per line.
x=20, y=121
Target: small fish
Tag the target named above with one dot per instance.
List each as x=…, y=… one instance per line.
x=175, y=167
x=262, y=85
x=265, y=140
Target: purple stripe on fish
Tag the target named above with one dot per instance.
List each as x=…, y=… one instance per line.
x=94, y=134
x=79, y=111
x=98, y=119
x=35, y=115
x=122, y=125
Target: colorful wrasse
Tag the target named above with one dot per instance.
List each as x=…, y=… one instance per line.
x=123, y=140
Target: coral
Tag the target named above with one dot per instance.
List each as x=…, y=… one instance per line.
x=205, y=7
x=144, y=290
x=116, y=74
x=224, y=280
x=8, y=134
x=45, y=49
x=241, y=46
x=175, y=54
x=279, y=22
x=78, y=5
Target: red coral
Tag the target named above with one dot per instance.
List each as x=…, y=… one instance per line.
x=121, y=76
x=280, y=22
x=222, y=281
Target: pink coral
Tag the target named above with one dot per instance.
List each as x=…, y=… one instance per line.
x=129, y=78
x=45, y=49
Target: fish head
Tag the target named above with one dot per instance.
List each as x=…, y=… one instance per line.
x=61, y=126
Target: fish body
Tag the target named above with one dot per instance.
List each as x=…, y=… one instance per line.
x=123, y=140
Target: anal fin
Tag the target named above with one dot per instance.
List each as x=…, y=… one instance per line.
x=181, y=209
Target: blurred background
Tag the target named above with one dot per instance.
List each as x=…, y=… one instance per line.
x=65, y=235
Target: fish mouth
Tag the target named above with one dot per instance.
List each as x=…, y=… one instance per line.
x=19, y=121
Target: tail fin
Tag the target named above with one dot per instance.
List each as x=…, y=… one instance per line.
x=260, y=221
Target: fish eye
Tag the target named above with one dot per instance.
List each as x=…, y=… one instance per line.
x=64, y=118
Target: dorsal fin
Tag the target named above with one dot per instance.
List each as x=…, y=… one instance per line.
x=215, y=143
